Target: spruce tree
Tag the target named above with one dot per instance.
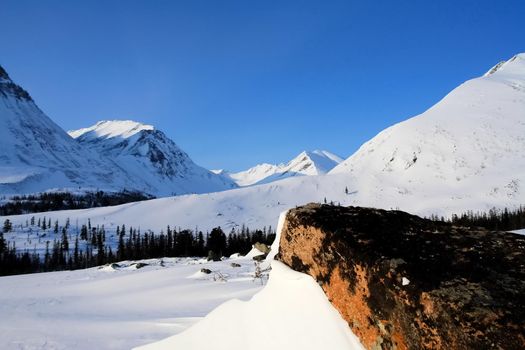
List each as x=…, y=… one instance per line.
x=8, y=226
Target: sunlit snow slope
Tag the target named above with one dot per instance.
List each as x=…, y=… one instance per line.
x=468, y=148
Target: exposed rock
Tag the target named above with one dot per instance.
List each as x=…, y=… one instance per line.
x=206, y=271
x=139, y=265
x=235, y=265
x=403, y=282
x=260, y=257
x=262, y=247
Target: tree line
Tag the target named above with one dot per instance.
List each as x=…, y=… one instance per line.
x=494, y=219
x=90, y=246
x=53, y=201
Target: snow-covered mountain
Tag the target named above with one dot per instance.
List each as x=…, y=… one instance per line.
x=146, y=153
x=464, y=153
x=470, y=145
x=306, y=163
x=37, y=155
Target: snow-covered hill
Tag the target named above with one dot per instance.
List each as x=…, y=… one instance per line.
x=148, y=154
x=37, y=155
x=306, y=163
x=469, y=147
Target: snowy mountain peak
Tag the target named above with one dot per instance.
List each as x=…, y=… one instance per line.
x=315, y=162
x=145, y=152
x=111, y=128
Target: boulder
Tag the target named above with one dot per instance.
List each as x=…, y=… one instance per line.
x=264, y=248
x=403, y=282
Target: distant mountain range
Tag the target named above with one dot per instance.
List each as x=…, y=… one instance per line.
x=306, y=163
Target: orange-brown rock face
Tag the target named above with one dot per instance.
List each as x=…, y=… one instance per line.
x=402, y=282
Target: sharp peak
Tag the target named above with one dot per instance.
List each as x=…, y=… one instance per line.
x=318, y=152
x=3, y=74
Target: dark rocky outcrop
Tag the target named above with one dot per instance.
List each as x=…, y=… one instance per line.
x=403, y=282
x=8, y=88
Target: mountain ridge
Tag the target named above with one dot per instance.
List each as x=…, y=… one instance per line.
x=307, y=163
x=38, y=155
x=136, y=146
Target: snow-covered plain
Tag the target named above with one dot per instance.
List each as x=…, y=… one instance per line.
x=116, y=307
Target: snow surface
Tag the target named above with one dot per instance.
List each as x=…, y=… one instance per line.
x=291, y=312
x=466, y=150
x=111, y=128
x=115, y=307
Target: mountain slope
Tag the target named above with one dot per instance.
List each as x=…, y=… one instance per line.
x=306, y=163
x=37, y=154
x=147, y=153
x=469, y=145
x=483, y=119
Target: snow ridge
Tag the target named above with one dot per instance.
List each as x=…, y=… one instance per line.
x=109, y=129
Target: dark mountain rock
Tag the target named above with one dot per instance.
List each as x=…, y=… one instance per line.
x=8, y=88
x=403, y=282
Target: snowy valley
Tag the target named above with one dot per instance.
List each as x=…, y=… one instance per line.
x=465, y=153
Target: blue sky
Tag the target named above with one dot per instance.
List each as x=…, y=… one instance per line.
x=236, y=83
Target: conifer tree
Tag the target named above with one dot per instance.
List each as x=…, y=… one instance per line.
x=8, y=226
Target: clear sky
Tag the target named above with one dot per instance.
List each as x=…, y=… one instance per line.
x=236, y=83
